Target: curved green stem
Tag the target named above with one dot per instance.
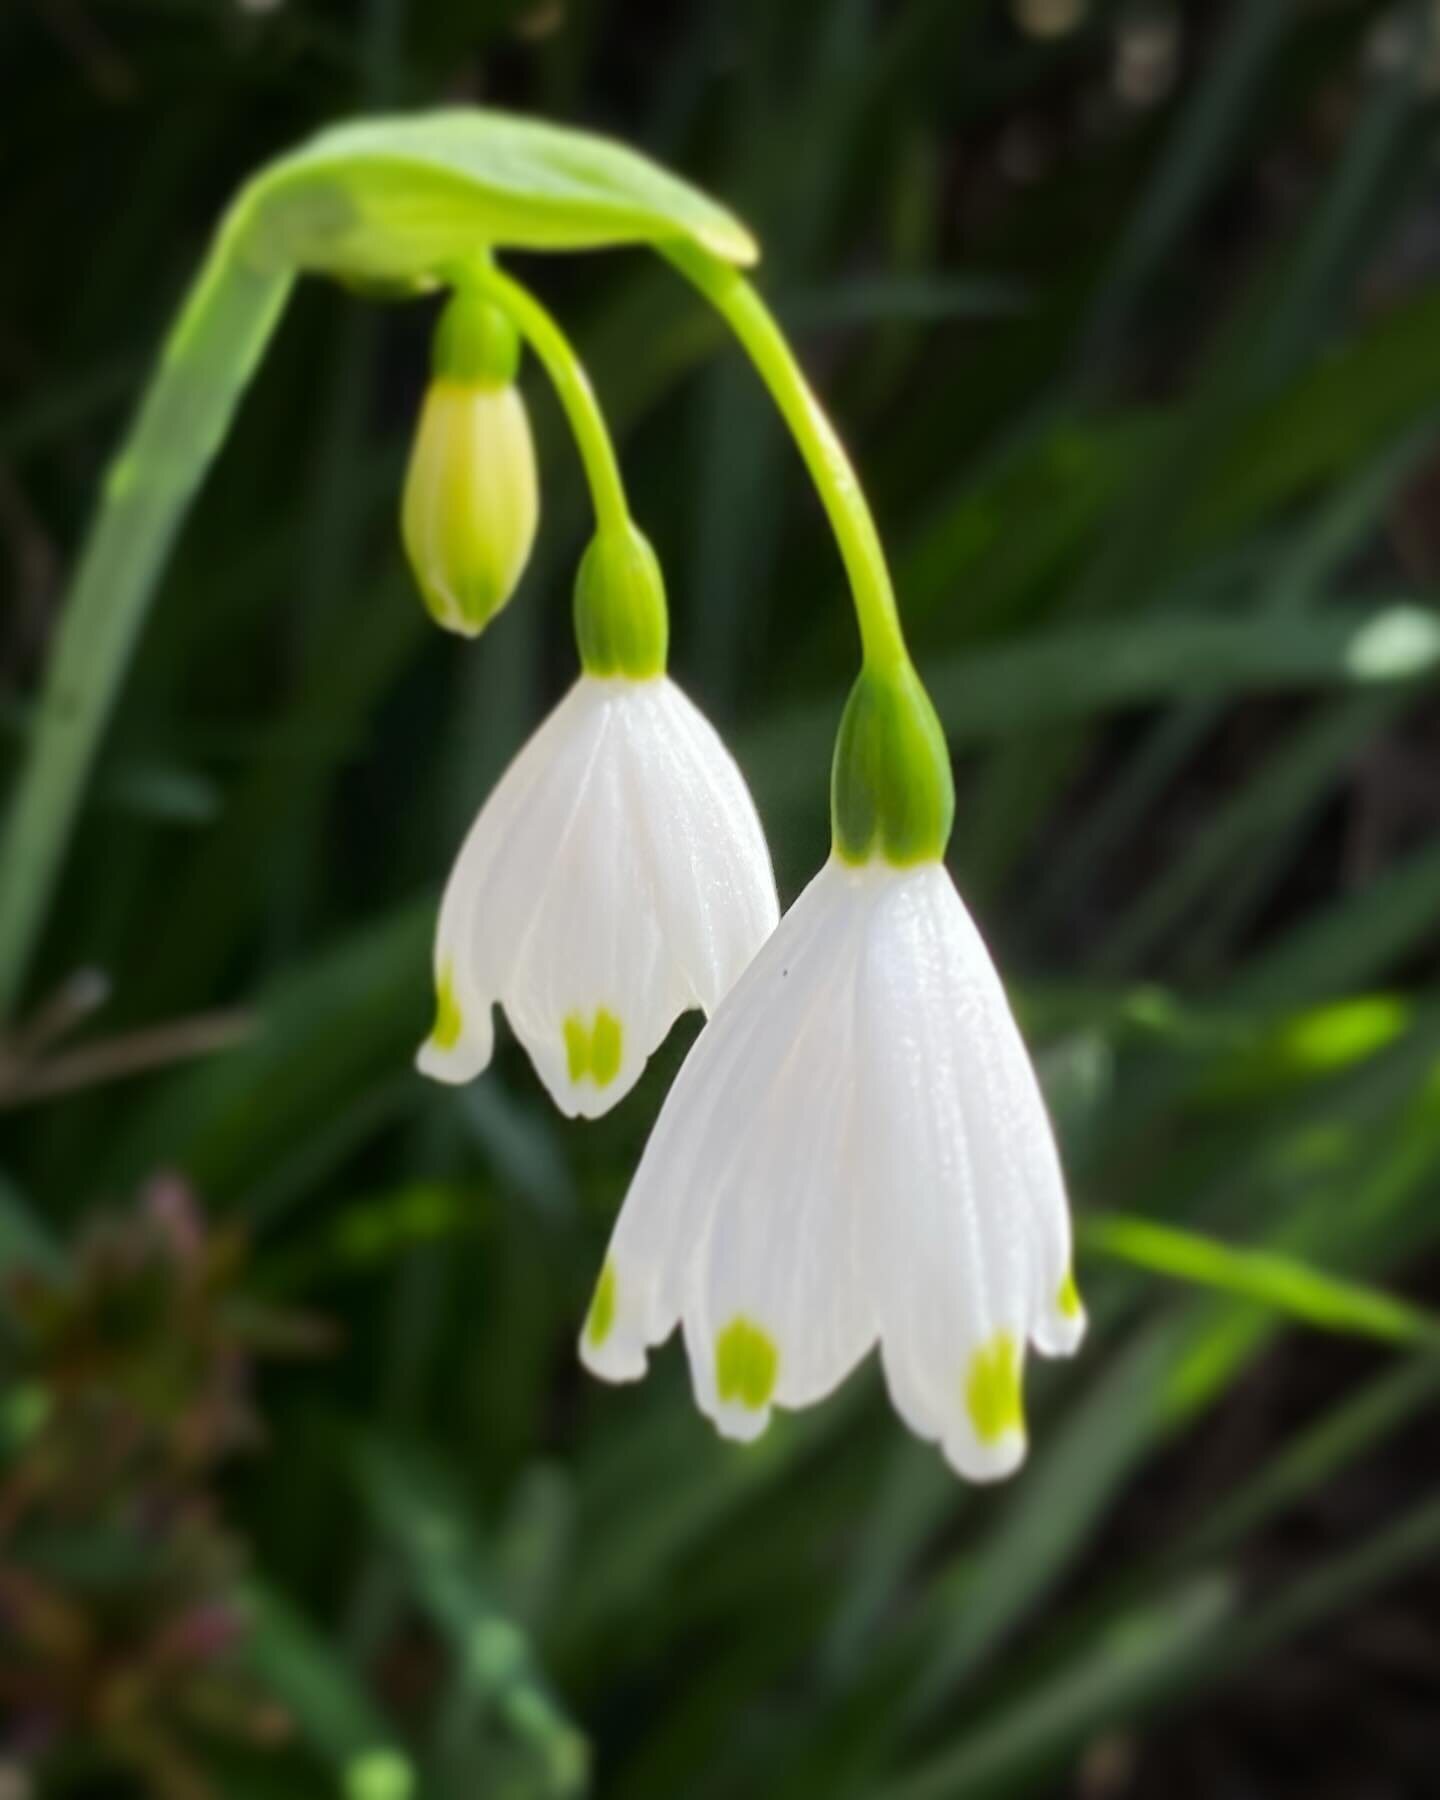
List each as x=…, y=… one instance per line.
x=830, y=468
x=216, y=343
x=571, y=384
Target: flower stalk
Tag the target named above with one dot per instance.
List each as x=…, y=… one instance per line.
x=572, y=388
x=892, y=791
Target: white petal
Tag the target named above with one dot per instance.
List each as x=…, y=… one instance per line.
x=952, y=1250
x=856, y=1145
x=591, y=964
x=617, y=877
x=714, y=890
x=1010, y=1127
x=534, y=798
x=742, y=1215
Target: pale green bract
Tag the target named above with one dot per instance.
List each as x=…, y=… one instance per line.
x=406, y=199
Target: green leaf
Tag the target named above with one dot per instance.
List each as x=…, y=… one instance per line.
x=406, y=199
x=325, y=1699
x=1280, y=1282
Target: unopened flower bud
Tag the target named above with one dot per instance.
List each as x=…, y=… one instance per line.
x=471, y=500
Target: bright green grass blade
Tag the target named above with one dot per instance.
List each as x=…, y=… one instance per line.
x=1305, y=1046
x=1281, y=1283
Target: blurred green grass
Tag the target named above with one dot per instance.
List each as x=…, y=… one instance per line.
x=1134, y=330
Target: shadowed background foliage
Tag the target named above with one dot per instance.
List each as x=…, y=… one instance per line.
x=1131, y=315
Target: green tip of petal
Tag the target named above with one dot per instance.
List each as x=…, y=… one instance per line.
x=449, y=1022
x=601, y=1316
x=594, y=1050
x=992, y=1390
x=605, y=1045
x=577, y=1047
x=747, y=1361
x=1068, y=1299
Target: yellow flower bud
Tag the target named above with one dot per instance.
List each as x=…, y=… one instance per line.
x=471, y=500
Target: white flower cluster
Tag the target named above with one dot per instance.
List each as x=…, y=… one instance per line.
x=855, y=1151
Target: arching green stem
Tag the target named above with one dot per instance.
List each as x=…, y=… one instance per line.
x=830, y=467
x=572, y=387
x=892, y=794
x=216, y=343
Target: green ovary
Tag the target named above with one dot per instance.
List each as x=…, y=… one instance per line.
x=746, y=1363
x=992, y=1389
x=891, y=790
x=621, y=623
x=595, y=1050
x=601, y=1316
x=445, y=1032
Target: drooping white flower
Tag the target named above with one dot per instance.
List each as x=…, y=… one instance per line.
x=617, y=876
x=855, y=1152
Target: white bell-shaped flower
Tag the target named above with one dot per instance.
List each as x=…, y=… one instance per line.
x=856, y=1151
x=617, y=876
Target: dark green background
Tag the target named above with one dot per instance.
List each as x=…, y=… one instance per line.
x=1134, y=330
